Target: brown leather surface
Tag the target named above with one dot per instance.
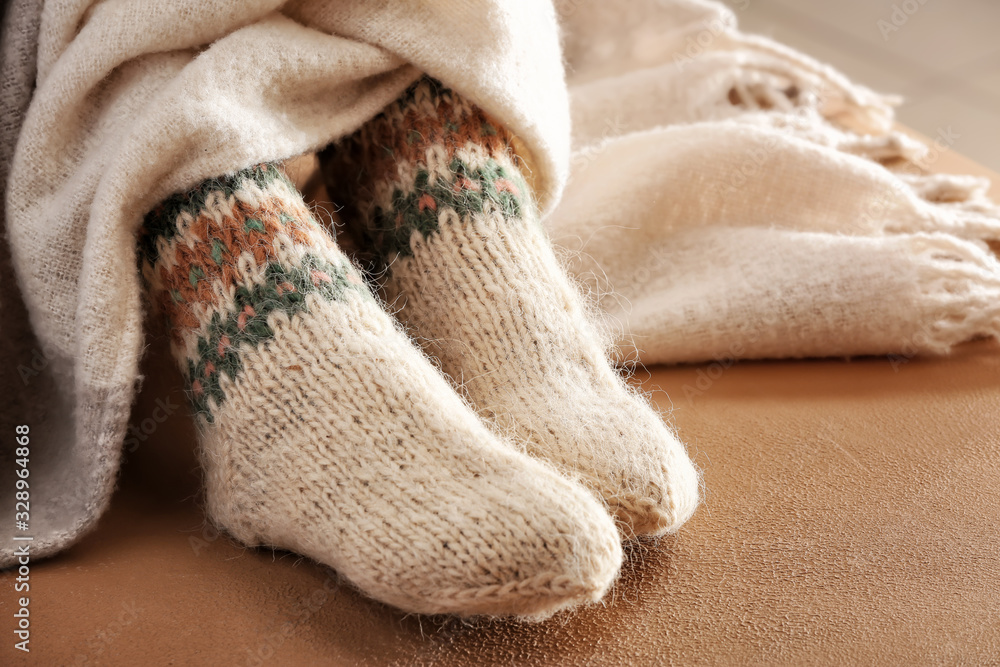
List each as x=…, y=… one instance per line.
x=851, y=516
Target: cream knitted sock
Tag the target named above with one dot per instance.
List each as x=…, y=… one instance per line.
x=440, y=193
x=326, y=432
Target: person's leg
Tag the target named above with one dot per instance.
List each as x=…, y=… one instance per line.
x=326, y=432
x=440, y=191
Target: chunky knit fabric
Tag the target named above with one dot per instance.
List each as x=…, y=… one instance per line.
x=447, y=210
x=326, y=432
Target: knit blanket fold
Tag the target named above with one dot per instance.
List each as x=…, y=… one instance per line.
x=721, y=195
x=730, y=198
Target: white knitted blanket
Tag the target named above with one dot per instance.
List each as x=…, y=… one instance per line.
x=731, y=198
x=726, y=196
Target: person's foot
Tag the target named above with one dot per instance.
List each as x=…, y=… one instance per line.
x=326, y=432
x=440, y=192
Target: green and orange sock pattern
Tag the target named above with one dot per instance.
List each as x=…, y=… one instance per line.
x=432, y=155
x=323, y=430
x=438, y=188
x=222, y=257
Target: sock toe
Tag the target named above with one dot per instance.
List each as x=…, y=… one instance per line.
x=557, y=551
x=622, y=450
x=659, y=503
x=428, y=511
x=326, y=432
x=449, y=214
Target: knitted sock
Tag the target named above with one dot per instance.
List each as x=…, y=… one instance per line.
x=326, y=432
x=440, y=192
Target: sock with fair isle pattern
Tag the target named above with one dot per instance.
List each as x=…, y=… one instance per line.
x=326, y=432
x=438, y=189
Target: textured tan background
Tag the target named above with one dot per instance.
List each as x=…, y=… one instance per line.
x=851, y=516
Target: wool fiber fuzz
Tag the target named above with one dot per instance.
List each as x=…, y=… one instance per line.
x=326, y=432
x=449, y=215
